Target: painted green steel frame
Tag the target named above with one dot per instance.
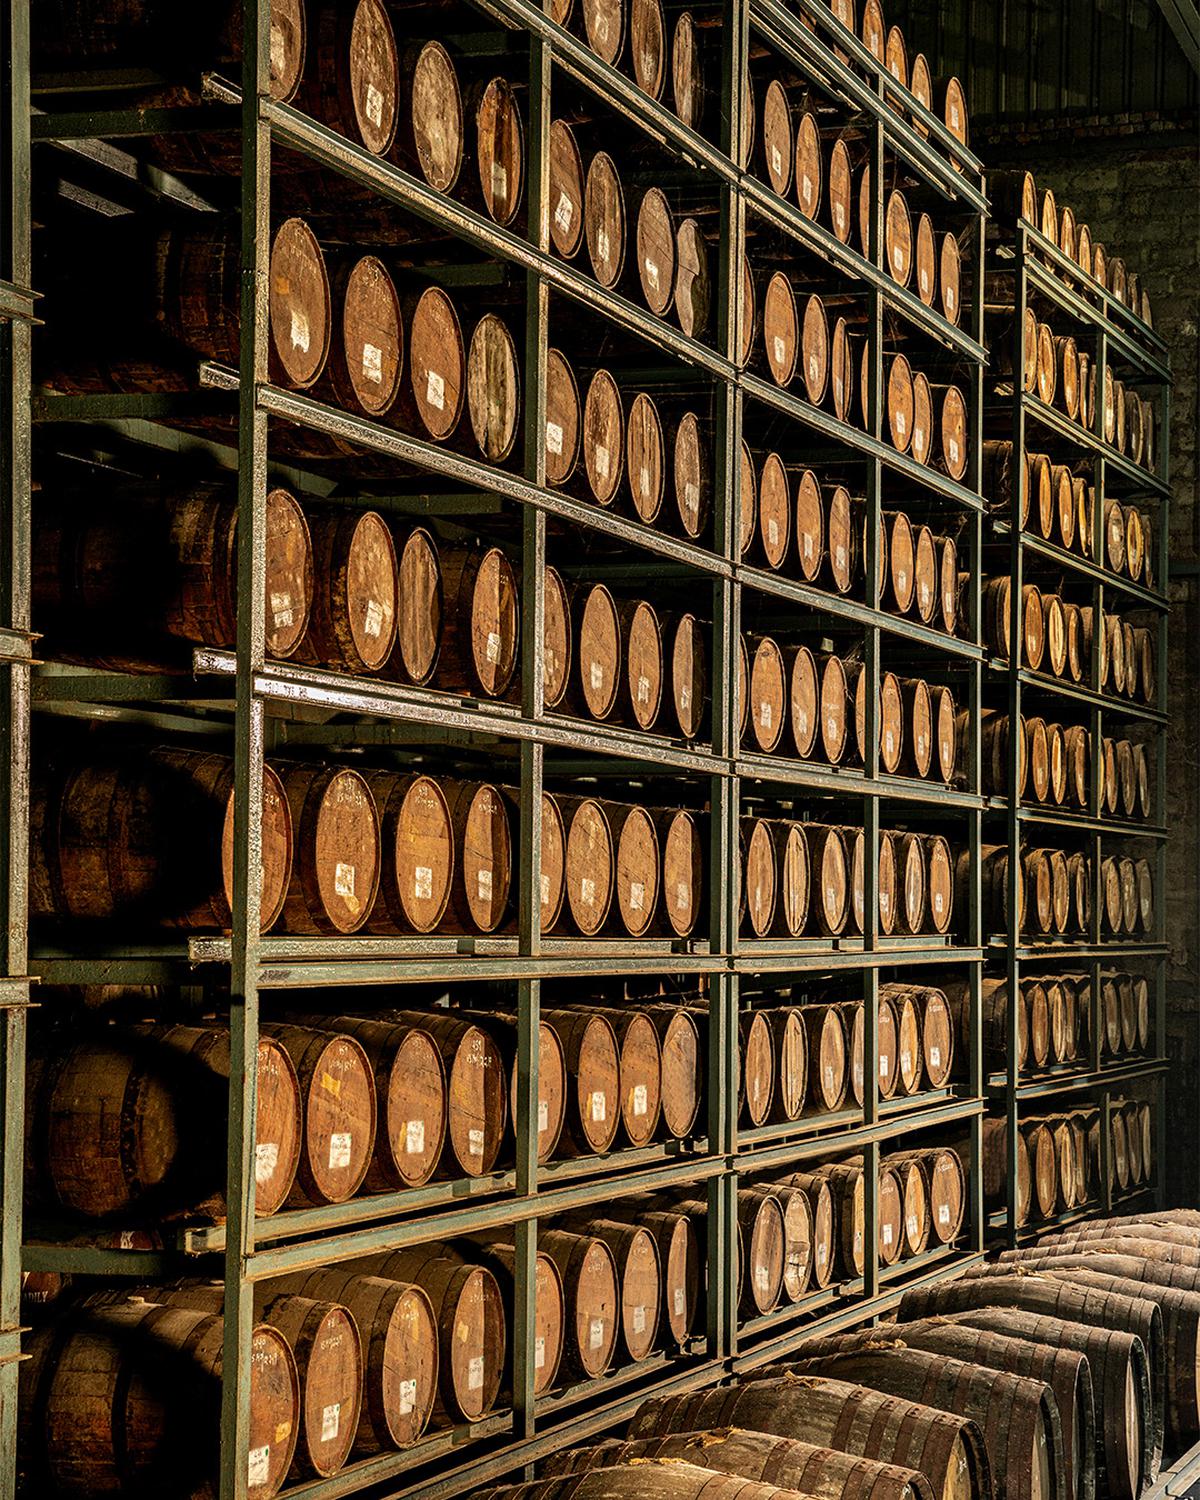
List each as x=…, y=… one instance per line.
x=1119, y=332
x=250, y=687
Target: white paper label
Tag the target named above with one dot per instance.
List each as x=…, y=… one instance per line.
x=773, y=531
x=596, y=1333
x=266, y=1159
x=884, y=1064
x=300, y=331
x=644, y=481
x=858, y=1242
x=641, y=1102
x=887, y=1234
x=806, y=190
x=475, y=1142
x=372, y=364
x=762, y=1278
x=602, y=246
x=685, y=697
x=639, y=1320
x=278, y=50
x=953, y=446
x=906, y=1062
x=643, y=689
x=543, y=1117
x=545, y=890
x=602, y=459
x=691, y=497
x=924, y=275
x=651, y=267
x=764, y=715
x=939, y=902
x=683, y=895
x=374, y=105
x=839, y=555
x=373, y=624
x=539, y=1354
x=780, y=349
x=282, y=614
x=637, y=896
x=943, y=1213
x=829, y=1078
x=564, y=213
x=897, y=257
x=808, y=547
x=889, y=741
x=913, y=1227
x=839, y=217
x=814, y=366
x=499, y=180
x=408, y=1396
x=951, y=299
x=475, y=1373
x=597, y=677
x=901, y=423
x=492, y=648
x=343, y=880
x=258, y=1466
x=587, y=891
x=484, y=885
x=918, y=438
x=435, y=390
x=776, y=161
x=935, y=1057
x=423, y=883
x=339, y=1149
x=331, y=1421
x=554, y=438
x=801, y=717
x=679, y=1302
x=831, y=726
x=599, y=1103
x=414, y=1137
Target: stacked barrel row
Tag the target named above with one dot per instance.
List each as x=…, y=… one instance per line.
x=1059, y=636
x=804, y=1061
x=813, y=705
x=1062, y=504
x=351, y=1103
x=1015, y=196
x=803, y=878
x=1054, y=764
x=1054, y=892
x=1054, y=1018
x=345, y=851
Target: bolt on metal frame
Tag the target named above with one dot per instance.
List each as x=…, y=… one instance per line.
x=249, y=688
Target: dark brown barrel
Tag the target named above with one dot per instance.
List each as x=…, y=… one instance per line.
x=419, y=609
x=437, y=374
x=168, y=861
x=1017, y=1415
x=564, y=419
x=337, y=1088
x=493, y=382
x=603, y=438
x=497, y=1250
x=682, y=1080
x=689, y=675
x=590, y=1284
x=353, y=623
x=803, y=1467
x=324, y=1339
x=590, y=863
x=598, y=664
x=593, y=1062
x=756, y=1078
x=671, y=1479
x=499, y=177
x=114, y=1395
x=335, y=875
x=126, y=583
x=635, y=1255
x=947, y=1450
x=828, y=1050
x=471, y=1325
x=483, y=845
x=477, y=1087
x=417, y=836
x=368, y=350
x=116, y=1122
x=410, y=1087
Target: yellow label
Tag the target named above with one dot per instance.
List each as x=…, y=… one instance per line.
x=331, y=1085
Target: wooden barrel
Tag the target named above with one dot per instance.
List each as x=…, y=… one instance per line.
x=483, y=843
x=828, y=1048
x=780, y=329
x=947, y=1450
x=800, y=1466
x=564, y=419
x=1017, y=1415
x=1065, y=1371
x=680, y=1260
x=566, y=190
x=592, y=1054
x=648, y=44
x=636, y=1261
x=588, y=1272
x=803, y=697
x=682, y=1078
x=1125, y=1422
x=590, y=864
x=604, y=440
x=774, y=512
x=411, y=1090
x=501, y=1029
x=756, y=1077
x=337, y=1089
x=636, y=867
x=125, y=584
x=693, y=286
x=90, y=1152
x=846, y=1184
x=324, y=1339
x=758, y=885
x=830, y=882
x=656, y=252
x=673, y=1479
x=170, y=861
x=604, y=219
x=493, y=380
x=640, y=1074
x=471, y=1325
x=417, y=843
x=335, y=874
x=437, y=373
x=419, y=609
x=600, y=660
x=398, y=1342
x=835, y=708
x=768, y=693
x=762, y=1250
x=497, y=1250
x=153, y=1374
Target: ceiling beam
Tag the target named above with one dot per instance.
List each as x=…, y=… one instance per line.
x=1183, y=18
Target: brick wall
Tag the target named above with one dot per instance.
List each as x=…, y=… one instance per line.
x=1142, y=202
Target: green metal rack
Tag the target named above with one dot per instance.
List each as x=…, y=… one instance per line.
x=242, y=693
x=1040, y=270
